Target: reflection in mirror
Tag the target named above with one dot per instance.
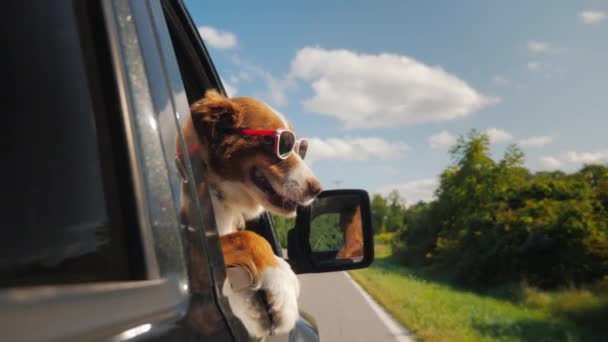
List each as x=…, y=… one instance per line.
x=336, y=227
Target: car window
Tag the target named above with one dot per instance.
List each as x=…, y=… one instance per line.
x=63, y=218
x=197, y=75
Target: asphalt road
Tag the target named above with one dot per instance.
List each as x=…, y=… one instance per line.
x=342, y=311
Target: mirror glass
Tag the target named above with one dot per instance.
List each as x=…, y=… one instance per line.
x=336, y=229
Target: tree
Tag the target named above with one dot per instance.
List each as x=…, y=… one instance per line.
x=394, y=213
x=495, y=222
x=379, y=213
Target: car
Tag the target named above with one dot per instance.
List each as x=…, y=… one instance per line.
x=95, y=245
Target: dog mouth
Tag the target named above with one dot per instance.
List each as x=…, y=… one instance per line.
x=277, y=200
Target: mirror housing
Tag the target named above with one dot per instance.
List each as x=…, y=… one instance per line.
x=333, y=234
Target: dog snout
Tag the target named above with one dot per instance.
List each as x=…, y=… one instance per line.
x=313, y=188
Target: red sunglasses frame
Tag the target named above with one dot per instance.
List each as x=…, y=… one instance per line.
x=276, y=134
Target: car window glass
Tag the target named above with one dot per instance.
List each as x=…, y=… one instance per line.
x=61, y=216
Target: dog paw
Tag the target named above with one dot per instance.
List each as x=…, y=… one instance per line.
x=271, y=307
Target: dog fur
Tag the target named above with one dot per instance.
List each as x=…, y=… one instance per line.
x=246, y=178
x=353, y=234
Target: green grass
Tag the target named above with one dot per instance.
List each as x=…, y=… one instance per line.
x=437, y=311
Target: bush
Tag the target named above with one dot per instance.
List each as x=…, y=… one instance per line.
x=495, y=222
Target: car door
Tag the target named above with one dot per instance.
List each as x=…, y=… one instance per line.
x=94, y=246
x=85, y=251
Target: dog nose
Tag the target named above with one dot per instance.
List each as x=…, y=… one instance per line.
x=314, y=188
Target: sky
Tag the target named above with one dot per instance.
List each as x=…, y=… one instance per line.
x=382, y=89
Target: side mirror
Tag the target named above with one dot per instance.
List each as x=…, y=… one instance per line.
x=334, y=233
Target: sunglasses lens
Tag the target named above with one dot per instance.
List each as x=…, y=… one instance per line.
x=303, y=148
x=286, y=142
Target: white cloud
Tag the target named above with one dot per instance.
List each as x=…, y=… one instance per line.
x=230, y=87
x=382, y=90
x=231, y=90
x=535, y=141
x=534, y=66
x=574, y=159
x=244, y=76
x=549, y=162
x=413, y=191
x=586, y=157
x=249, y=70
x=216, y=38
x=442, y=139
x=592, y=17
x=537, y=46
x=276, y=90
x=498, y=135
x=359, y=149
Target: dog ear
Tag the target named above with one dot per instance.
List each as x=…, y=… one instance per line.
x=215, y=113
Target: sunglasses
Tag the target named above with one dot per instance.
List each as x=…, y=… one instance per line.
x=284, y=141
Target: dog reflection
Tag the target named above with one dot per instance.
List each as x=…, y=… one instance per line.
x=350, y=224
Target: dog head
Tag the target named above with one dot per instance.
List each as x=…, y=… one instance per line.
x=245, y=169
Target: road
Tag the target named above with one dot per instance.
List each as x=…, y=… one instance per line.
x=343, y=313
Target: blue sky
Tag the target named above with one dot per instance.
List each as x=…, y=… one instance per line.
x=382, y=88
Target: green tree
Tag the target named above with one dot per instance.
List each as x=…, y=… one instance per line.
x=496, y=221
x=394, y=212
x=379, y=209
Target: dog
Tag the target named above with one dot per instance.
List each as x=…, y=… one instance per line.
x=352, y=231
x=253, y=164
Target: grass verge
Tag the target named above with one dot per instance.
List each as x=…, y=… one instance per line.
x=436, y=311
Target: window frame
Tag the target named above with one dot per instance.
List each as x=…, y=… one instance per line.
x=204, y=76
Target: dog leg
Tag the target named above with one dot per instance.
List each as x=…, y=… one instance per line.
x=269, y=305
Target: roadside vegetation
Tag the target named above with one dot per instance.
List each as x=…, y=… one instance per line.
x=501, y=253
x=435, y=309
x=495, y=222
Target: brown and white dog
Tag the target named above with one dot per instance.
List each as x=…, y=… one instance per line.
x=246, y=178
